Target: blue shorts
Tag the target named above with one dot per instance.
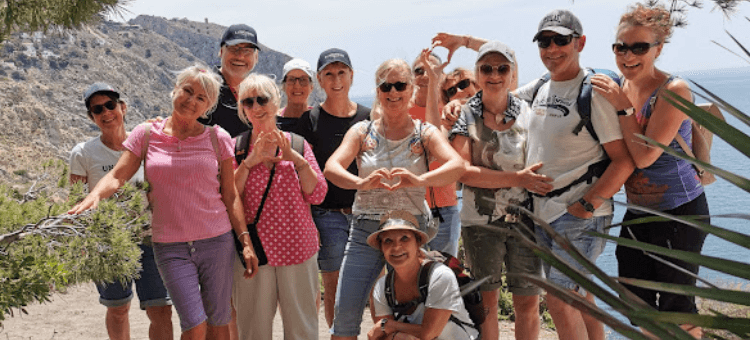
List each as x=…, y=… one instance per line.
x=449, y=231
x=198, y=275
x=574, y=229
x=150, y=288
x=333, y=227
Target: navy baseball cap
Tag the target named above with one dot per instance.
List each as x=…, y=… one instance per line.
x=238, y=34
x=333, y=55
x=96, y=88
x=560, y=21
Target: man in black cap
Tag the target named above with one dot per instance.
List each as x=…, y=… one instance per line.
x=239, y=55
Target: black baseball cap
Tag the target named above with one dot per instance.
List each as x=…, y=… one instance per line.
x=560, y=21
x=97, y=88
x=238, y=34
x=333, y=55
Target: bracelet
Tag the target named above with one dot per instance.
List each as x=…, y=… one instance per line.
x=242, y=233
x=296, y=168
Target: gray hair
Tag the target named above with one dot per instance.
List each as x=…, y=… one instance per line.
x=209, y=80
x=262, y=84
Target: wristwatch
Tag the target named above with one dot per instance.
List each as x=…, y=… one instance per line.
x=382, y=324
x=627, y=112
x=586, y=205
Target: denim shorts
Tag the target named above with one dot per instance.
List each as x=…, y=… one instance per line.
x=359, y=271
x=449, y=231
x=150, y=288
x=333, y=227
x=491, y=247
x=574, y=229
x=198, y=275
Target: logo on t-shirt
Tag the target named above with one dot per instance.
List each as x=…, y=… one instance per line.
x=554, y=107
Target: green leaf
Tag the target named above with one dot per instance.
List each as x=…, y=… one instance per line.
x=738, y=326
x=725, y=295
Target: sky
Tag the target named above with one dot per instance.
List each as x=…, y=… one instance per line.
x=375, y=31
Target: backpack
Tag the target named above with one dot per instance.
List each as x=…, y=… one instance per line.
x=472, y=297
x=242, y=144
x=583, y=104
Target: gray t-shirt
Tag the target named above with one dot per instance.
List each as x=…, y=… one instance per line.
x=551, y=140
x=93, y=160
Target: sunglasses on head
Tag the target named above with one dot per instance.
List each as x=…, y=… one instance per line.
x=501, y=69
x=461, y=85
x=386, y=87
x=559, y=40
x=419, y=71
x=248, y=102
x=639, y=48
x=109, y=105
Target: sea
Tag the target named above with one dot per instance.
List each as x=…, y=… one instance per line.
x=732, y=85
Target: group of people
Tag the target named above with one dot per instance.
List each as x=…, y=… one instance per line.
x=345, y=191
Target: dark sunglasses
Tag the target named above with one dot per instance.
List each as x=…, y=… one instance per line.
x=501, y=69
x=386, y=87
x=97, y=109
x=639, y=48
x=303, y=81
x=560, y=40
x=419, y=71
x=451, y=91
x=248, y=102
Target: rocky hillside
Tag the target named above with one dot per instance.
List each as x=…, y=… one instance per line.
x=43, y=75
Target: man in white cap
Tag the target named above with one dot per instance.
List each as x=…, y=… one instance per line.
x=239, y=55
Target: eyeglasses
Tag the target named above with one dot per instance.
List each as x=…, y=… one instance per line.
x=303, y=81
x=248, y=102
x=386, y=87
x=240, y=49
x=109, y=105
x=501, y=69
x=560, y=40
x=639, y=48
x=451, y=91
x=419, y=71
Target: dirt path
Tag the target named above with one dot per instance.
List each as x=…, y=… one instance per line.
x=77, y=315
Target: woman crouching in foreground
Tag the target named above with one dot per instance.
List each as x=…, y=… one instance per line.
x=399, y=239
x=195, y=204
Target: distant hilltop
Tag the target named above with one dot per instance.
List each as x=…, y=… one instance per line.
x=43, y=75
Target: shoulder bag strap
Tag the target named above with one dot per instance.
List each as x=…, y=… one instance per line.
x=265, y=194
x=215, y=144
x=144, y=149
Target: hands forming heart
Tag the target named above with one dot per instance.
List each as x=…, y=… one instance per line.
x=390, y=179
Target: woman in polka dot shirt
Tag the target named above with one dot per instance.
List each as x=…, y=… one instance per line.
x=285, y=228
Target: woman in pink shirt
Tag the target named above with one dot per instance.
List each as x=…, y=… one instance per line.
x=285, y=226
x=195, y=204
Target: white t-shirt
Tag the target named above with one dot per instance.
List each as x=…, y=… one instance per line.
x=551, y=140
x=443, y=293
x=93, y=160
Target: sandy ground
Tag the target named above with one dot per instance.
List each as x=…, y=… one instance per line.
x=77, y=315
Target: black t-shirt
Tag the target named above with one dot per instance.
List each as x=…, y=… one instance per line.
x=325, y=138
x=288, y=124
x=225, y=114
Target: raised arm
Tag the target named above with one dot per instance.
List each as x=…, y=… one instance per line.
x=435, y=74
x=453, y=42
x=125, y=168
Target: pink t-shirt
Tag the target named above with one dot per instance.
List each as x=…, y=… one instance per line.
x=286, y=227
x=187, y=205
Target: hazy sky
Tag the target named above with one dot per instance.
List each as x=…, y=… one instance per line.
x=374, y=31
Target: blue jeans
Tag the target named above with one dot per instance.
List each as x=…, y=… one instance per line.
x=574, y=229
x=333, y=227
x=449, y=231
x=150, y=288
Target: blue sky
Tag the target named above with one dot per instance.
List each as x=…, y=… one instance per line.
x=374, y=31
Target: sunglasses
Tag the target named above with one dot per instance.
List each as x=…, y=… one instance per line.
x=419, y=71
x=462, y=85
x=501, y=69
x=639, y=48
x=386, y=87
x=560, y=40
x=303, y=81
x=240, y=49
x=97, y=109
x=248, y=102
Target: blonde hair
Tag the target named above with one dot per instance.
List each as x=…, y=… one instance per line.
x=656, y=18
x=459, y=72
x=386, y=67
x=209, y=80
x=262, y=84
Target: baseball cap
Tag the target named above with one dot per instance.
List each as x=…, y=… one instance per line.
x=97, y=88
x=297, y=64
x=238, y=34
x=333, y=55
x=497, y=47
x=560, y=21
x=398, y=220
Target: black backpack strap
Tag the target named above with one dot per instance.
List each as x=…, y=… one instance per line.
x=242, y=145
x=314, y=116
x=298, y=143
x=594, y=170
x=583, y=102
x=424, y=284
x=539, y=82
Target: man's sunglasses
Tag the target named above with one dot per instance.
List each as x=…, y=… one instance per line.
x=639, y=48
x=501, y=69
x=248, y=102
x=560, y=40
x=451, y=91
x=98, y=109
x=419, y=71
x=386, y=87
